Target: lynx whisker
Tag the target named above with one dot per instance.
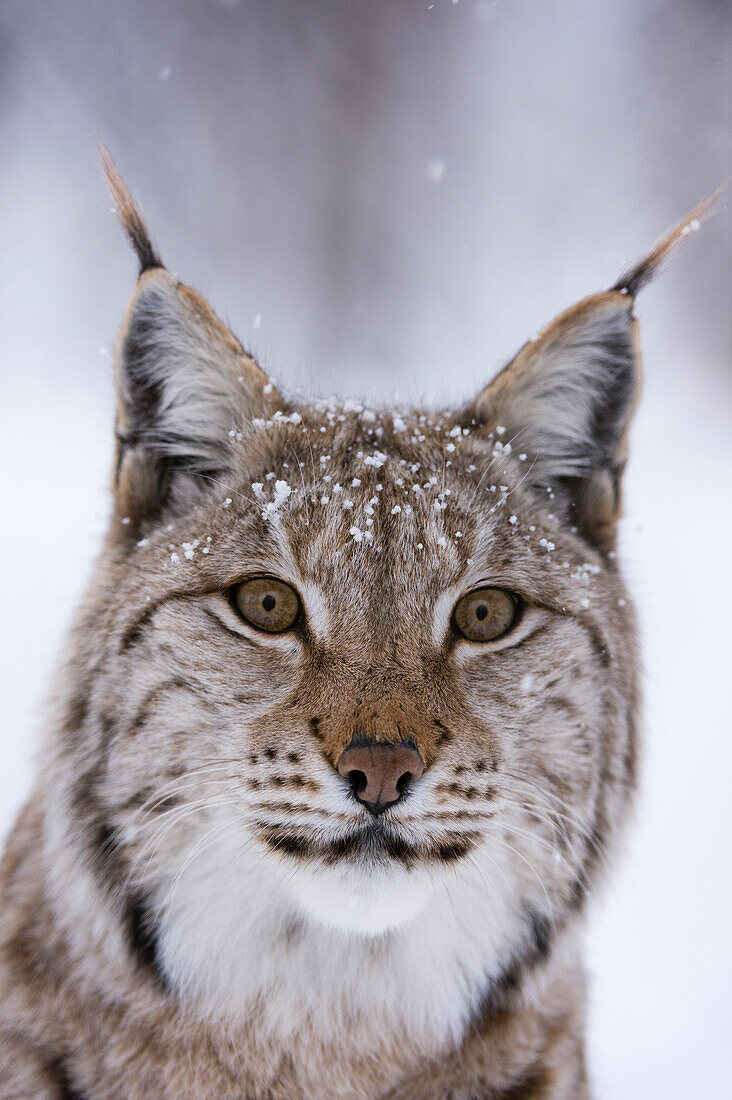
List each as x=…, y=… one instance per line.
x=296, y=460
x=230, y=489
x=209, y=838
x=189, y=780
x=567, y=811
x=527, y=474
x=527, y=862
x=544, y=816
x=152, y=844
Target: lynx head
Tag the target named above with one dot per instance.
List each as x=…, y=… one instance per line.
x=349, y=657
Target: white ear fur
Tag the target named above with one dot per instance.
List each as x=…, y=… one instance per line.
x=183, y=382
x=567, y=399
x=568, y=394
x=182, y=375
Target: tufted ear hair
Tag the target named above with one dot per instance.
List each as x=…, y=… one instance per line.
x=183, y=382
x=567, y=398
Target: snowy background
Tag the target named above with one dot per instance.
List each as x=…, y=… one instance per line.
x=387, y=196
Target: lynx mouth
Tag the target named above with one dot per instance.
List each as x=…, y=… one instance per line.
x=374, y=843
x=369, y=879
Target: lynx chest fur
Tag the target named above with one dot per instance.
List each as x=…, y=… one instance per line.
x=345, y=732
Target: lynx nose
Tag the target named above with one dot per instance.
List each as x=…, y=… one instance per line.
x=379, y=772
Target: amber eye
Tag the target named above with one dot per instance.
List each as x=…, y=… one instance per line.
x=268, y=604
x=486, y=614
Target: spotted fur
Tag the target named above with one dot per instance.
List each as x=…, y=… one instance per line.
x=193, y=902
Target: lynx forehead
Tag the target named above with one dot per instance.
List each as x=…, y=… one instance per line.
x=346, y=731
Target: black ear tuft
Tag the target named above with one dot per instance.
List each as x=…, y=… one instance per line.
x=569, y=394
x=185, y=385
x=638, y=276
x=129, y=213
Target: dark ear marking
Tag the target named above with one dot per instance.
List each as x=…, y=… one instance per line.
x=185, y=385
x=128, y=213
x=569, y=397
x=570, y=393
x=635, y=278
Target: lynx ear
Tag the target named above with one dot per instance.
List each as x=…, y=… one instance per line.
x=566, y=400
x=568, y=396
x=183, y=382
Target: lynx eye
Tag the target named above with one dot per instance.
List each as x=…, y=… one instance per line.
x=268, y=604
x=486, y=614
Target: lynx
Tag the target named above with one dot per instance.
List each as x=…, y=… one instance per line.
x=345, y=732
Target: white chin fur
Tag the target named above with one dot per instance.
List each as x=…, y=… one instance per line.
x=357, y=899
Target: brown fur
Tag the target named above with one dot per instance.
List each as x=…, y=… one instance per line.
x=189, y=755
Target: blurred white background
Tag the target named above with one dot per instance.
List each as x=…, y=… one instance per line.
x=387, y=195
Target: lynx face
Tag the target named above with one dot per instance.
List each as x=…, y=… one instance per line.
x=229, y=732
x=349, y=672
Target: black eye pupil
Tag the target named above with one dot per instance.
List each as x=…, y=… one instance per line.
x=481, y=611
x=268, y=603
